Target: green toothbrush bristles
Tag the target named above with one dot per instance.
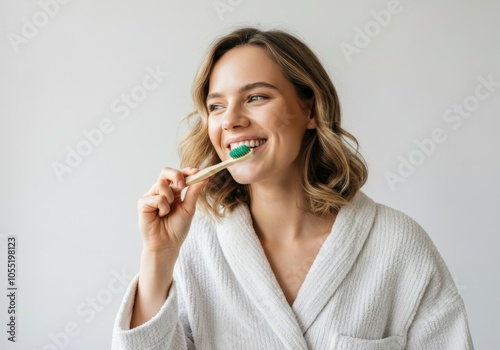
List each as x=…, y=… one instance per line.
x=239, y=152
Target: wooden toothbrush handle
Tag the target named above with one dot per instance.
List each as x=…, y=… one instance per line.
x=206, y=173
x=214, y=169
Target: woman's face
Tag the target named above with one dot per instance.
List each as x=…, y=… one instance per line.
x=250, y=101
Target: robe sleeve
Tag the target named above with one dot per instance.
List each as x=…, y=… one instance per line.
x=440, y=321
x=168, y=329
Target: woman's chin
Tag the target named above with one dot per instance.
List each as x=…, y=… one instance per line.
x=243, y=179
x=242, y=174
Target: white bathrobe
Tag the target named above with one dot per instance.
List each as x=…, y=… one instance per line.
x=377, y=283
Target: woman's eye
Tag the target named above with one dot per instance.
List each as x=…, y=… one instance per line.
x=214, y=107
x=254, y=98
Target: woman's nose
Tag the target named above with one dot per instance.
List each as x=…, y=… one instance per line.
x=234, y=118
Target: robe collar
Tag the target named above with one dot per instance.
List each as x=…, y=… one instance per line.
x=247, y=259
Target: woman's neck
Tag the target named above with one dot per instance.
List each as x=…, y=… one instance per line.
x=278, y=215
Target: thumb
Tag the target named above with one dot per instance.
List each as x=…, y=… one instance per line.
x=189, y=202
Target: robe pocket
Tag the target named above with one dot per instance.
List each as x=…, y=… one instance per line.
x=344, y=342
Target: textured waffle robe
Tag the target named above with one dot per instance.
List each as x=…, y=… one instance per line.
x=377, y=283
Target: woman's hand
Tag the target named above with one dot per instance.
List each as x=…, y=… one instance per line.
x=164, y=218
x=164, y=221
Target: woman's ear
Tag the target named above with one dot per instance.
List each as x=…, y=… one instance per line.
x=311, y=124
x=309, y=108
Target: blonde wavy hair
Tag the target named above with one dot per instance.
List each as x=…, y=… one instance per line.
x=334, y=169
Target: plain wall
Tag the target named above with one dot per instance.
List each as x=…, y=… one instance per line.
x=65, y=68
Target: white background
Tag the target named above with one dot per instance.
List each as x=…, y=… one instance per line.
x=76, y=233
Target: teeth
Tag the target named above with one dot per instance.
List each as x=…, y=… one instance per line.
x=249, y=143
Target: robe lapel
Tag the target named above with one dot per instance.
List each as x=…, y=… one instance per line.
x=335, y=258
x=247, y=259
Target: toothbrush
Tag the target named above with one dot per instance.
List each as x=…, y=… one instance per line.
x=237, y=155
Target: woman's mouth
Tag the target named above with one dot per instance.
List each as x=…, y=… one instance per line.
x=249, y=143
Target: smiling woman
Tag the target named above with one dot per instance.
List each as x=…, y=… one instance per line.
x=282, y=83
x=286, y=251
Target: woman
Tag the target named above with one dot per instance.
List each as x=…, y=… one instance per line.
x=286, y=252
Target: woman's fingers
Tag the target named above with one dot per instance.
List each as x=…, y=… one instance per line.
x=164, y=215
x=189, y=203
x=168, y=176
x=148, y=204
x=161, y=194
x=174, y=177
x=167, y=189
x=163, y=206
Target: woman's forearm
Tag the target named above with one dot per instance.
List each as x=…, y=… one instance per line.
x=155, y=279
